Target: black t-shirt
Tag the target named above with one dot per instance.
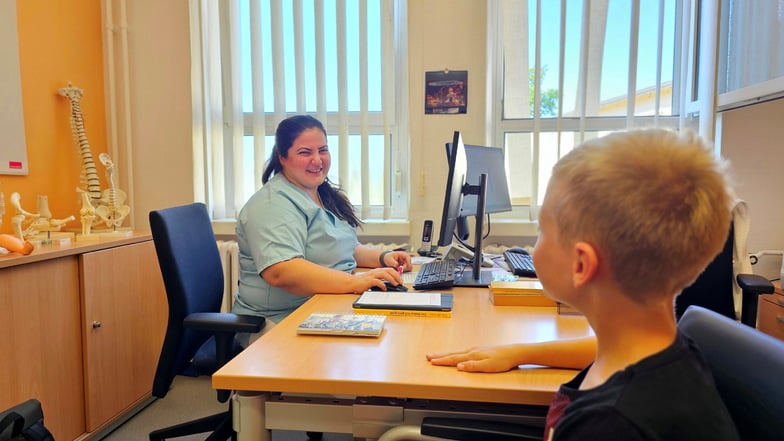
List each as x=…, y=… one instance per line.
x=667, y=396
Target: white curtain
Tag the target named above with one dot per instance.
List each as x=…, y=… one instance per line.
x=255, y=62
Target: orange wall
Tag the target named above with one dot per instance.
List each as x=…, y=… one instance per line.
x=59, y=42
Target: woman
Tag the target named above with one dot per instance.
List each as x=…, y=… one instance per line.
x=297, y=235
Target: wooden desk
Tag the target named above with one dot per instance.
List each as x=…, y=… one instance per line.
x=393, y=365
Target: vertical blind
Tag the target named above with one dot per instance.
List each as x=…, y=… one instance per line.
x=572, y=70
x=257, y=62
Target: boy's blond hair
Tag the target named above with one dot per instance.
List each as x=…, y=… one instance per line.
x=656, y=203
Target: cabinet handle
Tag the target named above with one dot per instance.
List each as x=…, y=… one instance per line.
x=780, y=302
x=96, y=324
x=780, y=319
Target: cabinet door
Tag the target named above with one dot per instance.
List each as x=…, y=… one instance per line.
x=41, y=345
x=125, y=315
x=770, y=315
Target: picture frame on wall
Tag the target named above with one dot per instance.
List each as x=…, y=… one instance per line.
x=446, y=92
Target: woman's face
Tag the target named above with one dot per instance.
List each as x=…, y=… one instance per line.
x=308, y=160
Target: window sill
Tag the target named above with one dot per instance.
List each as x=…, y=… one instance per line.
x=389, y=230
x=506, y=231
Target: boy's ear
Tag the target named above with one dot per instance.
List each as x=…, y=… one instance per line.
x=585, y=263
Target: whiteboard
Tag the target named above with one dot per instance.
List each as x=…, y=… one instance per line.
x=13, y=151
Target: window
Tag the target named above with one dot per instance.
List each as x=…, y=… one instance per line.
x=576, y=70
x=751, y=52
x=342, y=61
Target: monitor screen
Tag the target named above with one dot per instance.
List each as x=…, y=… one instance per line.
x=453, y=195
x=456, y=189
x=492, y=162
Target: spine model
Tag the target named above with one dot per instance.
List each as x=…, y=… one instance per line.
x=89, y=171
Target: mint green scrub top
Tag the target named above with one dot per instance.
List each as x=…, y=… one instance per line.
x=281, y=222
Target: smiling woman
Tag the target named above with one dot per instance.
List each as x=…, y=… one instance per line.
x=297, y=235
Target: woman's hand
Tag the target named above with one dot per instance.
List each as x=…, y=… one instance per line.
x=397, y=259
x=376, y=277
x=480, y=359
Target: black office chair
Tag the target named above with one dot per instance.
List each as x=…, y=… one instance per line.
x=745, y=364
x=713, y=289
x=191, y=268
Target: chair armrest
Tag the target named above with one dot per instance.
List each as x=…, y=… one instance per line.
x=461, y=429
x=754, y=284
x=223, y=322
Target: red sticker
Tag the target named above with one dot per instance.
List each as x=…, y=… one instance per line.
x=15, y=164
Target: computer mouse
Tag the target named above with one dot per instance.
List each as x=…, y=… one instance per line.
x=518, y=250
x=390, y=287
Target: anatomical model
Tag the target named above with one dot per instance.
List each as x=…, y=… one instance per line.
x=106, y=205
x=41, y=221
x=112, y=211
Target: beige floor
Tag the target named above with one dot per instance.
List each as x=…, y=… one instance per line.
x=190, y=398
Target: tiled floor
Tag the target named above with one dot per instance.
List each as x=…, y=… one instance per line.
x=190, y=398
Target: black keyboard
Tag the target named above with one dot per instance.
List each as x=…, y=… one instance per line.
x=520, y=264
x=438, y=274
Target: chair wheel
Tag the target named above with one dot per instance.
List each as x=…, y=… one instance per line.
x=314, y=436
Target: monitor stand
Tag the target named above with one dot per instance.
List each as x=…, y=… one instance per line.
x=465, y=277
x=457, y=252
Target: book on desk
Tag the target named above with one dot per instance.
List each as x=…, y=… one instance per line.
x=355, y=325
x=405, y=304
x=519, y=293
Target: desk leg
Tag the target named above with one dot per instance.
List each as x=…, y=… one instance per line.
x=249, y=416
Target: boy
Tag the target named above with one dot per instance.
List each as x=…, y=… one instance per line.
x=627, y=222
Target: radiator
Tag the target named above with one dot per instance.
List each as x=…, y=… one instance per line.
x=229, y=254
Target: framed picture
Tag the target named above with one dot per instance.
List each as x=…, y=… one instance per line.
x=446, y=92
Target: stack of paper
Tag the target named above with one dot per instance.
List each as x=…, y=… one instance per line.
x=519, y=293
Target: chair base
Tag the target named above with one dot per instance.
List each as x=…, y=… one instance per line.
x=219, y=424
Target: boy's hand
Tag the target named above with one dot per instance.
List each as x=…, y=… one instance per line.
x=479, y=359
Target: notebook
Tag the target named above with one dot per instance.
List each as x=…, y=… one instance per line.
x=414, y=304
x=357, y=325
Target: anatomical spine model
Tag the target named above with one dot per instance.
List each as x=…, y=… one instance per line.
x=106, y=205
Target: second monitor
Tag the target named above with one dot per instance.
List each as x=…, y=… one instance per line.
x=492, y=162
x=459, y=188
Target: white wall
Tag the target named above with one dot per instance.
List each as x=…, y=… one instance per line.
x=160, y=91
x=752, y=138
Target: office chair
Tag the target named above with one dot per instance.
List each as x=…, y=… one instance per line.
x=192, y=275
x=713, y=289
x=745, y=364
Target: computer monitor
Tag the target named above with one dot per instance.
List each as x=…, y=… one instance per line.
x=492, y=162
x=456, y=189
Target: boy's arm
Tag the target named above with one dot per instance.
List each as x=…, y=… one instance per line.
x=573, y=354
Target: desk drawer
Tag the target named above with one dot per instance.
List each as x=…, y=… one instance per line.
x=770, y=318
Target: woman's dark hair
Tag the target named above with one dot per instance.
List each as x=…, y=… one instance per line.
x=332, y=197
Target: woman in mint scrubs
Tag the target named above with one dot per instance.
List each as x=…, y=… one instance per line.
x=297, y=235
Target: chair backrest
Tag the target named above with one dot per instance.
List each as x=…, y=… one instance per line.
x=192, y=275
x=746, y=365
x=713, y=289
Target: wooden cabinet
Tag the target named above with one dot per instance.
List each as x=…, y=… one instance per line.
x=82, y=330
x=41, y=343
x=770, y=314
x=124, y=322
